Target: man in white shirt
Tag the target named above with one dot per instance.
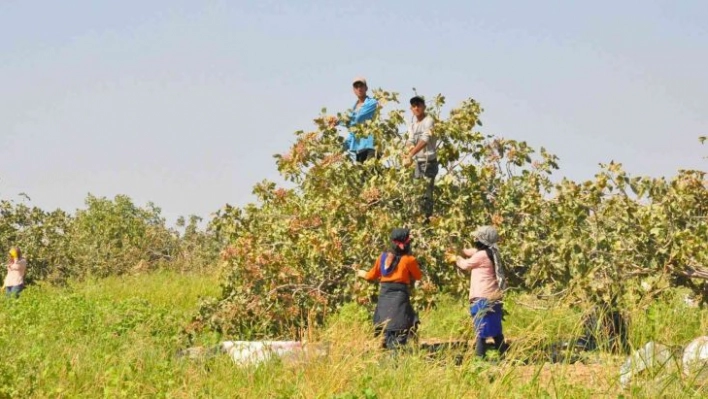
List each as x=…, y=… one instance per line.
x=421, y=146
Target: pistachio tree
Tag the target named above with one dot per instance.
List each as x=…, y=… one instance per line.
x=289, y=257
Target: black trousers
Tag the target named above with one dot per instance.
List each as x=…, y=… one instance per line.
x=481, y=345
x=363, y=155
x=427, y=170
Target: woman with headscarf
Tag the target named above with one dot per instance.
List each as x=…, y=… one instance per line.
x=487, y=284
x=396, y=269
x=16, y=268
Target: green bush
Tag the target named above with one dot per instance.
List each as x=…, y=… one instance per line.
x=113, y=237
x=107, y=237
x=43, y=237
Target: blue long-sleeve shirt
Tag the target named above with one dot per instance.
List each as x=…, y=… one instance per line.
x=361, y=115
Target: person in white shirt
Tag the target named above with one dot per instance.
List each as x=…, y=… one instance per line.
x=421, y=150
x=14, y=281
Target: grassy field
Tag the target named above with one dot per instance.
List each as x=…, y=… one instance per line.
x=118, y=338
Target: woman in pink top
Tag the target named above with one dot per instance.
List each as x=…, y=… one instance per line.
x=487, y=284
x=16, y=268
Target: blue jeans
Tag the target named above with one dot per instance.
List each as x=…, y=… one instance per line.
x=14, y=291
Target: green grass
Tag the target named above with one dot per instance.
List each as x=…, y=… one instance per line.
x=118, y=338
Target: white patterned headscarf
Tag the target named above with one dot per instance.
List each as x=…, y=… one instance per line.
x=489, y=236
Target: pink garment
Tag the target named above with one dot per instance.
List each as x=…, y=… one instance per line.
x=16, y=273
x=483, y=281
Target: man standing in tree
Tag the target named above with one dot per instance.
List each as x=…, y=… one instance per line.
x=361, y=149
x=420, y=144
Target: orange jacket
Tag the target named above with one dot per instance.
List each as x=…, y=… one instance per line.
x=407, y=270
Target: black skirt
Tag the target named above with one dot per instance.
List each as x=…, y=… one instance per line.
x=393, y=310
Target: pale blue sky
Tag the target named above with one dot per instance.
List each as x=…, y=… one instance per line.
x=183, y=103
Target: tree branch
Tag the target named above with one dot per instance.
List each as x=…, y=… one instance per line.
x=693, y=272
